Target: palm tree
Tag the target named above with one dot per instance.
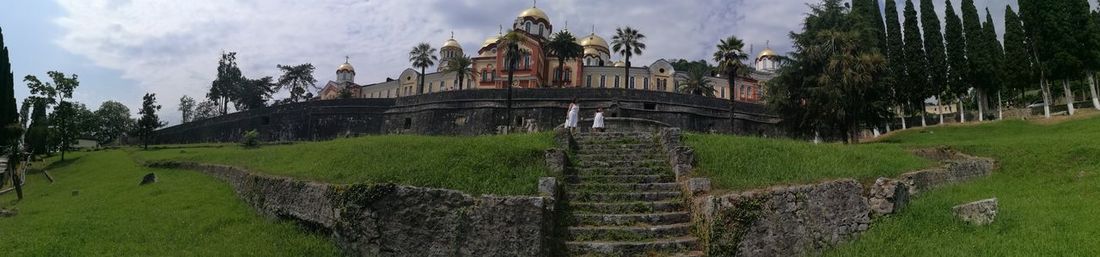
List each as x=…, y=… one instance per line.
x=461, y=67
x=564, y=46
x=627, y=42
x=422, y=56
x=696, y=82
x=729, y=57
x=509, y=43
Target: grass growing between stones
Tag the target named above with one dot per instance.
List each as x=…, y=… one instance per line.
x=1048, y=188
x=738, y=163
x=505, y=165
x=186, y=213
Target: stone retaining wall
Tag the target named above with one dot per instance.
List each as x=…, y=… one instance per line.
x=391, y=220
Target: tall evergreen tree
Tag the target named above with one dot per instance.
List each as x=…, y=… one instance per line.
x=916, y=64
x=1034, y=14
x=934, y=50
x=149, y=122
x=1017, y=71
x=958, y=69
x=977, y=55
x=1092, y=54
x=895, y=58
x=10, y=127
x=995, y=55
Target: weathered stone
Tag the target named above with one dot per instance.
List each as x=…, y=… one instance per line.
x=556, y=159
x=148, y=179
x=698, y=186
x=548, y=186
x=957, y=167
x=888, y=196
x=784, y=221
x=978, y=213
x=4, y=213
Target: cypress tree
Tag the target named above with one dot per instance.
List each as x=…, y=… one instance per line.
x=934, y=50
x=958, y=70
x=976, y=53
x=1092, y=55
x=1035, y=16
x=895, y=58
x=995, y=57
x=1017, y=71
x=916, y=63
x=9, y=117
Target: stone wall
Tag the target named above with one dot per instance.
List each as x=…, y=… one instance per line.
x=391, y=220
x=473, y=112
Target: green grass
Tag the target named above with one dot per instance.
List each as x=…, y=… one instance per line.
x=185, y=214
x=738, y=163
x=505, y=165
x=1048, y=187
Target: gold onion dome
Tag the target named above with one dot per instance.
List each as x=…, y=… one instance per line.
x=591, y=51
x=345, y=67
x=451, y=43
x=593, y=40
x=534, y=13
x=766, y=53
x=491, y=40
x=620, y=64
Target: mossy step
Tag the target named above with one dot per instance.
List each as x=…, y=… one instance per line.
x=620, y=187
x=662, y=218
x=619, y=156
x=577, y=179
x=623, y=163
x=656, y=247
x=629, y=233
x=624, y=196
x=622, y=171
x=627, y=207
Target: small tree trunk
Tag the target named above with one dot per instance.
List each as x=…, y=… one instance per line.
x=1069, y=97
x=1000, y=107
x=1045, y=89
x=901, y=114
x=923, y=118
x=1092, y=89
x=962, y=110
x=939, y=106
x=981, y=105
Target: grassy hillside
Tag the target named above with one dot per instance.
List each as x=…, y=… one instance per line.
x=507, y=165
x=1047, y=187
x=736, y=163
x=185, y=214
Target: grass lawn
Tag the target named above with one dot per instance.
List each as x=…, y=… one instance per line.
x=737, y=163
x=504, y=165
x=185, y=214
x=1048, y=187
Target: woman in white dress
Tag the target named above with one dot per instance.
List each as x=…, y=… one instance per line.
x=573, y=115
x=597, y=121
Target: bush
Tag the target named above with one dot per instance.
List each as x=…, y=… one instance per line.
x=250, y=139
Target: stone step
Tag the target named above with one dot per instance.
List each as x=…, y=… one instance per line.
x=623, y=163
x=618, y=151
x=577, y=179
x=622, y=187
x=622, y=171
x=661, y=218
x=596, y=146
x=624, y=196
x=620, y=156
x=628, y=207
x=629, y=233
x=614, y=135
x=657, y=247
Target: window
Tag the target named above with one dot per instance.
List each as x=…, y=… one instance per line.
x=527, y=26
x=722, y=93
x=603, y=79
x=616, y=81
x=430, y=85
x=568, y=75
x=484, y=75
x=645, y=83
x=588, y=81
x=442, y=86
x=632, y=82
x=526, y=61
x=540, y=29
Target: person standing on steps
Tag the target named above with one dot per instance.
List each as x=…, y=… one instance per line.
x=573, y=115
x=597, y=121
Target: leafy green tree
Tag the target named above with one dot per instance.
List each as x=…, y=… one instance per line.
x=830, y=84
x=229, y=80
x=65, y=126
x=934, y=50
x=564, y=46
x=978, y=56
x=729, y=58
x=995, y=55
x=113, y=121
x=1091, y=52
x=297, y=79
x=187, y=109
x=205, y=110
x=627, y=42
x=422, y=56
x=462, y=67
x=254, y=93
x=685, y=65
x=958, y=69
x=895, y=59
x=916, y=81
x=695, y=82
x=149, y=122
x=1018, y=71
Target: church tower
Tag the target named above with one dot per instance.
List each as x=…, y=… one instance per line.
x=345, y=73
x=450, y=50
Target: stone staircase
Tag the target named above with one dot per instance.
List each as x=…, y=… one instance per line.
x=624, y=199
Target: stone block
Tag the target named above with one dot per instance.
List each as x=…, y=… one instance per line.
x=888, y=196
x=148, y=179
x=698, y=186
x=980, y=212
x=548, y=186
x=556, y=160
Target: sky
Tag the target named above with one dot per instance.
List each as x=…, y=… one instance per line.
x=122, y=49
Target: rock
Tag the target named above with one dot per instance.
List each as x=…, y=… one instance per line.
x=148, y=179
x=548, y=186
x=4, y=213
x=978, y=213
x=556, y=160
x=888, y=196
x=698, y=186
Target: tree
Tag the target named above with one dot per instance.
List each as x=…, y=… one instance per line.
x=297, y=79
x=461, y=66
x=978, y=56
x=958, y=69
x=512, y=53
x=627, y=42
x=1091, y=53
x=1018, y=71
x=227, y=83
x=830, y=83
x=38, y=134
x=187, y=109
x=205, y=110
x=254, y=93
x=149, y=122
x=995, y=58
x=916, y=64
x=10, y=126
x=65, y=122
x=422, y=56
x=564, y=46
x=696, y=82
x=935, y=52
x=895, y=59
x=685, y=65
x=729, y=57
x=113, y=120
x=63, y=119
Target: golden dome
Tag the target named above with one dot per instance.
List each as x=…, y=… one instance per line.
x=594, y=40
x=491, y=40
x=591, y=51
x=345, y=67
x=451, y=43
x=534, y=13
x=620, y=64
x=766, y=53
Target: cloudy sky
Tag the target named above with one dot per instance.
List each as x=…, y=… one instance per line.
x=124, y=48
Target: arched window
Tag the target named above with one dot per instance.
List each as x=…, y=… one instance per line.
x=588, y=81
x=645, y=83
x=616, y=81
x=603, y=80
x=526, y=61
x=631, y=82
x=527, y=26
x=540, y=29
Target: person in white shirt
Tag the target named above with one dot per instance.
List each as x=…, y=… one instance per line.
x=597, y=121
x=573, y=115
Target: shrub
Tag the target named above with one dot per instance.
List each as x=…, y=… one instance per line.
x=250, y=139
